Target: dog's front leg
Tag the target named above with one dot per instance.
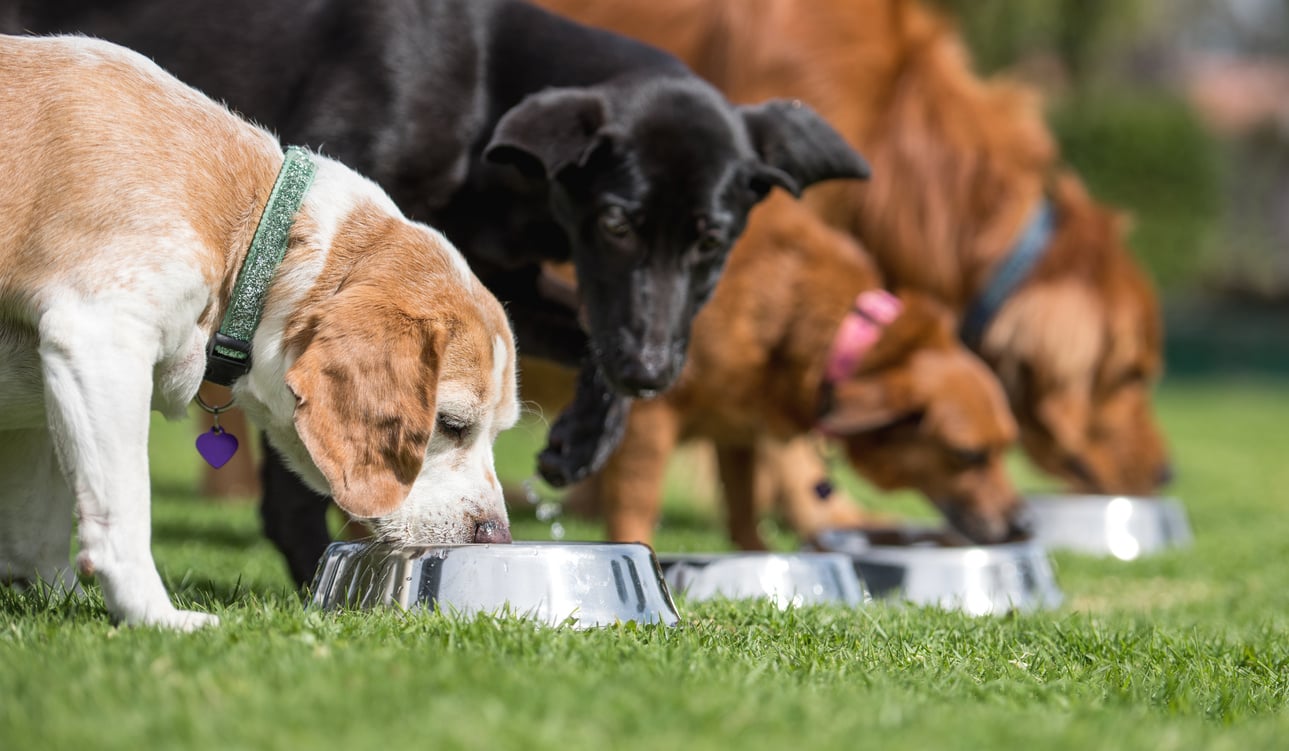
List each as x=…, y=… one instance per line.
x=98, y=384
x=294, y=516
x=586, y=432
x=631, y=484
x=36, y=512
x=736, y=469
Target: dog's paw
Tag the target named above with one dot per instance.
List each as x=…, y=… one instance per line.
x=586, y=432
x=577, y=448
x=560, y=464
x=181, y=620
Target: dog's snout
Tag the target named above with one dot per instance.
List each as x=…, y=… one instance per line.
x=1020, y=526
x=1164, y=476
x=989, y=527
x=645, y=375
x=492, y=530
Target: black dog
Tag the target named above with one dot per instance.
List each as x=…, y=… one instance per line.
x=525, y=138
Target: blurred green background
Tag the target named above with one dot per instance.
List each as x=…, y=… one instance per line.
x=1173, y=111
x=1178, y=112
x=1163, y=107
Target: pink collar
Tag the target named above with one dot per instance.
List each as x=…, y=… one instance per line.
x=874, y=309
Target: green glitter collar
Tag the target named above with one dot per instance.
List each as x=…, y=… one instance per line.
x=228, y=357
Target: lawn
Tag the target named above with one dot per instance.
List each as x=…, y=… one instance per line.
x=1188, y=649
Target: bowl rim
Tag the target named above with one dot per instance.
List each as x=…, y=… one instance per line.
x=1102, y=498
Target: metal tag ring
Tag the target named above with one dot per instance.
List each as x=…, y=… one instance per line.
x=213, y=410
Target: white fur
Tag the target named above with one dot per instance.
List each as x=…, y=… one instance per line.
x=457, y=485
x=88, y=348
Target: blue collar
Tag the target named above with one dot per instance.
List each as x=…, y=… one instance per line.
x=1022, y=259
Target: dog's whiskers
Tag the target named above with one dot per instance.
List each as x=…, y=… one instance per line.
x=530, y=408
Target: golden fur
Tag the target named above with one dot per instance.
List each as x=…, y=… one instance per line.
x=921, y=411
x=380, y=367
x=959, y=163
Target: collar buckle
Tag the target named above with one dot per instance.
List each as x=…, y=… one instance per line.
x=227, y=359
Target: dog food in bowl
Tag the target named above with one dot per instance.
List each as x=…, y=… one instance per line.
x=583, y=585
x=787, y=579
x=1125, y=527
x=938, y=567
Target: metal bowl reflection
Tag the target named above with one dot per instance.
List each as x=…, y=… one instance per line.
x=583, y=585
x=1125, y=527
x=938, y=567
x=787, y=579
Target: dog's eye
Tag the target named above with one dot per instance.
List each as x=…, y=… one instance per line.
x=614, y=222
x=710, y=243
x=971, y=457
x=1132, y=377
x=452, y=427
x=761, y=184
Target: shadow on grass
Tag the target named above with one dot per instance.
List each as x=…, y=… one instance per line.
x=191, y=592
x=174, y=488
x=26, y=602
x=200, y=592
x=182, y=529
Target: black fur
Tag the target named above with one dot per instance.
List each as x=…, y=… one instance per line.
x=525, y=138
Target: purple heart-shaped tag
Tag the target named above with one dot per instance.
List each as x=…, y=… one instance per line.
x=217, y=447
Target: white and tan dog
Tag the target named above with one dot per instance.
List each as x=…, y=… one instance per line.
x=382, y=369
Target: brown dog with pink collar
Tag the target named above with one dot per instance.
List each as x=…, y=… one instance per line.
x=800, y=339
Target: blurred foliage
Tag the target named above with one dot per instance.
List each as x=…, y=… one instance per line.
x=1083, y=34
x=1255, y=238
x=1138, y=147
x=1000, y=32
x=1146, y=152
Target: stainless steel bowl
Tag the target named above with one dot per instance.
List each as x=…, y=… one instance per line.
x=937, y=567
x=788, y=579
x=1125, y=527
x=583, y=585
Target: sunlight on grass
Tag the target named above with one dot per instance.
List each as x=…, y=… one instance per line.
x=1179, y=650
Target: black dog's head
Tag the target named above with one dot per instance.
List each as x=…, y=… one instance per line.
x=652, y=180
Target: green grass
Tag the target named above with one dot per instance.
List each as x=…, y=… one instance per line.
x=1184, y=650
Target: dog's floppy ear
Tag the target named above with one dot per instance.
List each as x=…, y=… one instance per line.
x=886, y=388
x=797, y=148
x=867, y=403
x=1066, y=413
x=365, y=405
x=548, y=131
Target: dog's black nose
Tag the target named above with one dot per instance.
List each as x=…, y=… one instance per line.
x=988, y=528
x=636, y=380
x=645, y=372
x=492, y=531
x=1021, y=525
x=1164, y=476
